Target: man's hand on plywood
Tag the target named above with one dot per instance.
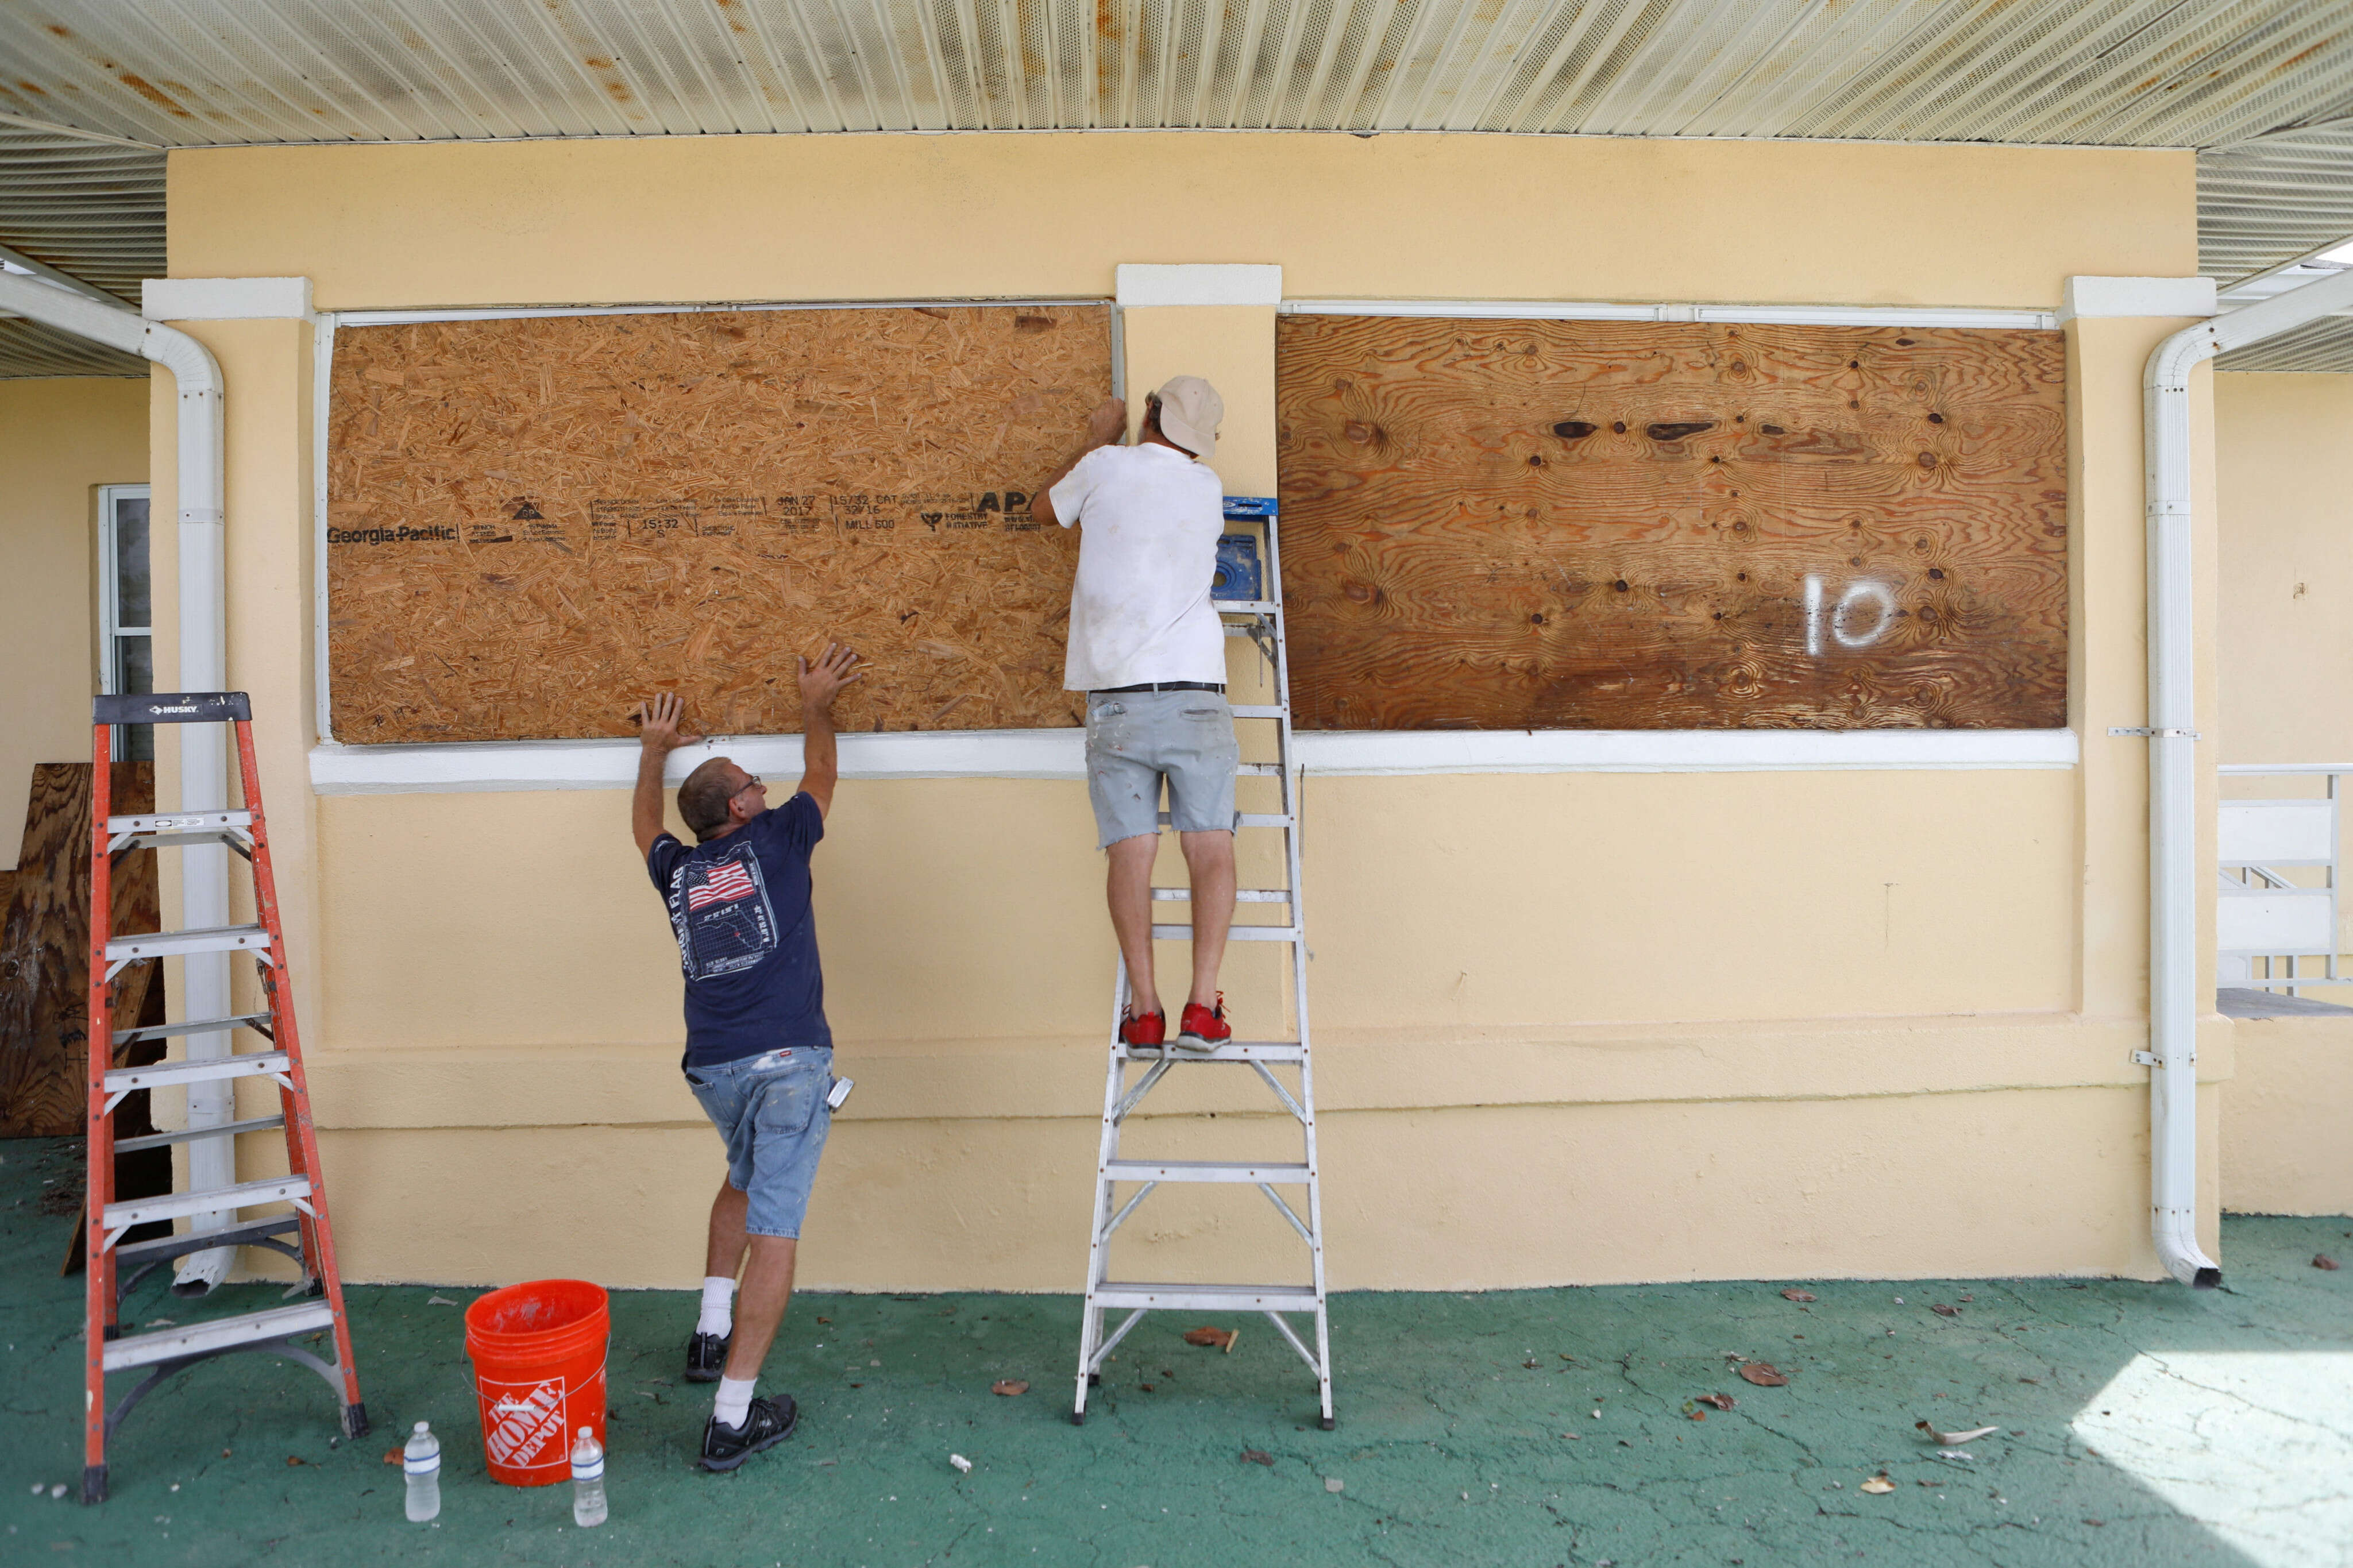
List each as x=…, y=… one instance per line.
x=660, y=722
x=820, y=682
x=660, y=732
x=835, y=669
x=1105, y=426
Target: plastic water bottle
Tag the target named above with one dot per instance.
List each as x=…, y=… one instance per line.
x=420, y=1461
x=587, y=1480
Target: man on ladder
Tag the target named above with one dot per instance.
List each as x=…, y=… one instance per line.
x=1148, y=649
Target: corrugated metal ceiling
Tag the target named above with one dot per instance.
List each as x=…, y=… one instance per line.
x=2232, y=77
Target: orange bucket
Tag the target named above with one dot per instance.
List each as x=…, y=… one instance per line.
x=538, y=1350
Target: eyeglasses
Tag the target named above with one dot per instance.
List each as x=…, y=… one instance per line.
x=751, y=781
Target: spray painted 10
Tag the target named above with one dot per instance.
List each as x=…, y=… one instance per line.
x=1840, y=621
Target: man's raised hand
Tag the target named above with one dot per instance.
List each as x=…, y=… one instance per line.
x=835, y=667
x=1108, y=423
x=660, y=721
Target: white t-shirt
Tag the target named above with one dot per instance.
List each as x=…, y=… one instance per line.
x=1140, y=608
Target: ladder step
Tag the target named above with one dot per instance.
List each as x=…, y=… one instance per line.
x=220, y=1334
x=1212, y=1298
x=131, y=1255
x=178, y=1205
x=1233, y=933
x=1260, y=711
x=1245, y=894
x=190, y=1134
x=1259, y=770
x=1246, y=606
x=172, y=944
x=204, y=1069
x=180, y=822
x=1232, y=1051
x=192, y=1027
x=1202, y=1171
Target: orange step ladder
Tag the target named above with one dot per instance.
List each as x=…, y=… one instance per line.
x=278, y=1330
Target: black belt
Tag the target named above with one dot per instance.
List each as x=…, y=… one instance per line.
x=1156, y=685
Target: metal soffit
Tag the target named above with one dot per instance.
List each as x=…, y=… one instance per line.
x=2263, y=88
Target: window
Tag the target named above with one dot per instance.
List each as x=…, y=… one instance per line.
x=126, y=660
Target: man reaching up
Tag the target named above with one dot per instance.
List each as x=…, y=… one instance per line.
x=1147, y=648
x=759, y=1055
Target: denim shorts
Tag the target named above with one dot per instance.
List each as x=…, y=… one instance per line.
x=1136, y=739
x=770, y=1110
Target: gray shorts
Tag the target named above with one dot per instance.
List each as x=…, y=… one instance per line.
x=1136, y=739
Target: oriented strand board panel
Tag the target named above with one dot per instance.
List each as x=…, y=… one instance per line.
x=45, y=943
x=534, y=522
x=1533, y=524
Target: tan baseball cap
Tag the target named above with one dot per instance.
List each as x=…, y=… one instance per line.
x=1190, y=409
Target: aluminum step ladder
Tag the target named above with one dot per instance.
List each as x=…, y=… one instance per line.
x=1260, y=619
x=115, y=1266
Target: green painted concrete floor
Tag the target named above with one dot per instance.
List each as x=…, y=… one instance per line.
x=2139, y=1423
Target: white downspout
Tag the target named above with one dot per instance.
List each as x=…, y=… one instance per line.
x=2174, y=876
x=204, y=748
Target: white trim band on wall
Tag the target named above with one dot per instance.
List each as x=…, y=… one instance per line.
x=223, y=299
x=1198, y=283
x=1061, y=754
x=2092, y=296
x=1761, y=315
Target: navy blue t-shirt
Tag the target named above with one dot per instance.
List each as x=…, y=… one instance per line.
x=746, y=935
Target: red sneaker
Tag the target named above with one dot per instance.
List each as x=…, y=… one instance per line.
x=1146, y=1029
x=1201, y=1029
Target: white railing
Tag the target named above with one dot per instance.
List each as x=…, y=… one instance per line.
x=2276, y=911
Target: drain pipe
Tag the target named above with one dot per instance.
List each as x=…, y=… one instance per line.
x=204, y=748
x=2173, y=872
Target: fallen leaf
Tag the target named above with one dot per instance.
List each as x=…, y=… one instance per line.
x=1697, y=1414
x=1933, y=1482
x=1258, y=1457
x=293, y=1459
x=1527, y=1364
x=1799, y=1295
x=1572, y=1436
x=2097, y=1523
x=1223, y=1339
x=1145, y=1386
x=825, y=1319
x=1943, y=1312
x=1008, y=1386
x=1955, y=1439
x=2322, y=1260
x=1878, y=1484
x=1763, y=1375
x=439, y=1301
x=1720, y=1400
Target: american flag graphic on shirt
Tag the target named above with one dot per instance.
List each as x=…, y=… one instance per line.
x=719, y=908
x=721, y=883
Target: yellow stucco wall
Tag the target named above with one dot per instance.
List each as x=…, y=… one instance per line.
x=60, y=438
x=2286, y=625
x=2286, y=631
x=1569, y=1026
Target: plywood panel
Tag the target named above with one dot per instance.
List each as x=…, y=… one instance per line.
x=1610, y=525
x=44, y=967
x=534, y=522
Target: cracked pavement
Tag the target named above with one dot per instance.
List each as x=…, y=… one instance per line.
x=2136, y=1423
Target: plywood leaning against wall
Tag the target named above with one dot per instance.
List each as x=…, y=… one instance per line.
x=532, y=522
x=1541, y=524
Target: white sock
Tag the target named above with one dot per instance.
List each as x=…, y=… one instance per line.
x=718, y=1307
x=735, y=1401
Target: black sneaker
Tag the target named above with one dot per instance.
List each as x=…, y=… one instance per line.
x=706, y=1356
x=768, y=1423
